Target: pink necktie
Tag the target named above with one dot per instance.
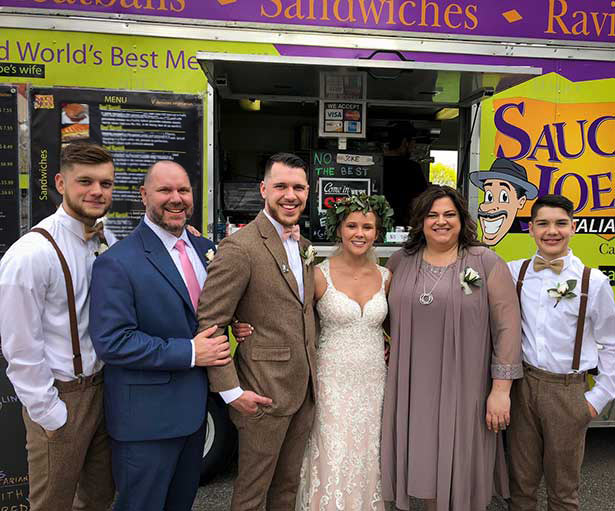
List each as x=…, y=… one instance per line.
x=193, y=284
x=291, y=232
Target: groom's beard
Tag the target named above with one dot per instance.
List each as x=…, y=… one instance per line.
x=283, y=219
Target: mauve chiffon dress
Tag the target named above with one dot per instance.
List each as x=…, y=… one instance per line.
x=435, y=443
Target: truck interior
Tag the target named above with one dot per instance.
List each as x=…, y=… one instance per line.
x=267, y=104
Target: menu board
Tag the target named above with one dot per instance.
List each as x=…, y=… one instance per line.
x=138, y=128
x=336, y=175
x=9, y=168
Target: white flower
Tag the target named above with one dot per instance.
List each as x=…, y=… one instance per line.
x=562, y=290
x=467, y=277
x=209, y=255
x=471, y=274
x=308, y=255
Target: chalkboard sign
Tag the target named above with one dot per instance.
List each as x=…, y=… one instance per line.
x=13, y=461
x=138, y=128
x=9, y=168
x=337, y=175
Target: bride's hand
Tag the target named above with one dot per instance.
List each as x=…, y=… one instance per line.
x=193, y=230
x=241, y=330
x=498, y=410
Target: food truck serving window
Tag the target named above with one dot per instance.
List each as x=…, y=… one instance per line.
x=361, y=125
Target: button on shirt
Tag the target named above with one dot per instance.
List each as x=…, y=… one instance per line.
x=548, y=332
x=169, y=240
x=34, y=321
x=295, y=262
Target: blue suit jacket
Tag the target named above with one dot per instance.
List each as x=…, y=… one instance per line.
x=141, y=323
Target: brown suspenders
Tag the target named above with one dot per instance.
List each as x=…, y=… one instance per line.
x=576, y=359
x=578, y=341
x=72, y=309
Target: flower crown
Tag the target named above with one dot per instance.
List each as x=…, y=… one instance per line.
x=363, y=203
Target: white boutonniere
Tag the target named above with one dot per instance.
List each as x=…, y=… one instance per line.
x=307, y=254
x=102, y=248
x=563, y=290
x=209, y=255
x=469, y=277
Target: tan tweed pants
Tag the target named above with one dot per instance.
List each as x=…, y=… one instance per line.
x=70, y=469
x=549, y=419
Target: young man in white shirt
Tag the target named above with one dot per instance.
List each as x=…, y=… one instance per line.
x=51, y=361
x=552, y=406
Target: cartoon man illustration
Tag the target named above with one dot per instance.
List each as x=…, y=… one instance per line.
x=506, y=190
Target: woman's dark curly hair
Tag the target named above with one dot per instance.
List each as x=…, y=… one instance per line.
x=416, y=239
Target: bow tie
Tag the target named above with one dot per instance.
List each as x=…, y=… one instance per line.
x=291, y=232
x=96, y=231
x=540, y=264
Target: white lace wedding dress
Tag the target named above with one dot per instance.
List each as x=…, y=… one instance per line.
x=341, y=466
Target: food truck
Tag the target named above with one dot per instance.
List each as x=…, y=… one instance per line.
x=219, y=85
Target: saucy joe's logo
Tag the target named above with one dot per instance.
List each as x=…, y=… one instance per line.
x=549, y=147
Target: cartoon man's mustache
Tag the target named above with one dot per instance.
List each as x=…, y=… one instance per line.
x=488, y=215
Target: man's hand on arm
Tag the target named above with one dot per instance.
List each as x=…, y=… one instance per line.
x=211, y=350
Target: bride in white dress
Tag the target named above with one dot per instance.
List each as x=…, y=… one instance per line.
x=341, y=465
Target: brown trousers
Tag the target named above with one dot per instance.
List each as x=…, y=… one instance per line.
x=70, y=468
x=270, y=455
x=549, y=419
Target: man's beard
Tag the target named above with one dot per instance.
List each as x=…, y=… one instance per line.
x=79, y=210
x=157, y=218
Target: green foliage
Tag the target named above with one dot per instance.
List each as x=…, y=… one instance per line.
x=363, y=203
x=441, y=174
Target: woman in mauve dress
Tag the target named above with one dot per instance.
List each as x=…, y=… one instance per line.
x=456, y=347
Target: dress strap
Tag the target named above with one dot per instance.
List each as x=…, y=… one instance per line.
x=324, y=268
x=385, y=272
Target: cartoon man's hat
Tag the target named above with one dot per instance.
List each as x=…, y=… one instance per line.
x=506, y=170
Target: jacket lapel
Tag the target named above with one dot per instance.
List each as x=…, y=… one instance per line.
x=308, y=277
x=272, y=241
x=157, y=254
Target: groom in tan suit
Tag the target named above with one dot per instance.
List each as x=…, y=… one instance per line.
x=259, y=276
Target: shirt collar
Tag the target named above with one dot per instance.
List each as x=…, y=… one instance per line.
x=72, y=224
x=168, y=240
x=278, y=226
x=567, y=258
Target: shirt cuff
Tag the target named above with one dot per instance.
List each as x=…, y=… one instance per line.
x=597, y=398
x=192, y=360
x=230, y=395
x=55, y=418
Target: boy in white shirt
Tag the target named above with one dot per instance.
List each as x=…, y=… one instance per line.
x=552, y=406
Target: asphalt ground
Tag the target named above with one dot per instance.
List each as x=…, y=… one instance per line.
x=597, y=480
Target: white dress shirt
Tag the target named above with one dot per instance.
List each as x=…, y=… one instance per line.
x=169, y=240
x=34, y=321
x=295, y=262
x=548, y=332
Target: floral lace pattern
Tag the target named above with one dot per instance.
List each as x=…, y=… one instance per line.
x=506, y=371
x=341, y=466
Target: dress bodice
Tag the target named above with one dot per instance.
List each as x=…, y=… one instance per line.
x=342, y=317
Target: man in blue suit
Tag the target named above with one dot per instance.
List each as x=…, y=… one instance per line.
x=143, y=325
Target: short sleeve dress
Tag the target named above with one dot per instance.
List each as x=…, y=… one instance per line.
x=435, y=443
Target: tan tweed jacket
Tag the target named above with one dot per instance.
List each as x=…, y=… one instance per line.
x=250, y=279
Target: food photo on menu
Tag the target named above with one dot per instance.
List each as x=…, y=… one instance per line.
x=75, y=122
